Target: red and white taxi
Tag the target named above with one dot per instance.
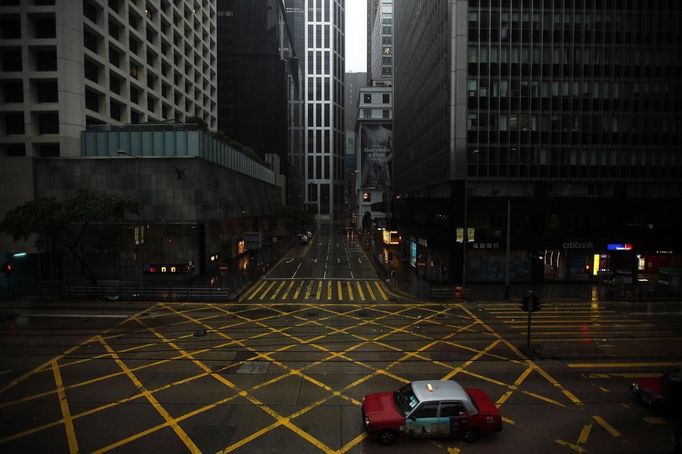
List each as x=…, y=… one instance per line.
x=438, y=408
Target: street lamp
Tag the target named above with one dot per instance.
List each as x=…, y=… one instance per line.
x=139, y=233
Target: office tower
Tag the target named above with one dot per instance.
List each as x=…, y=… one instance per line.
x=380, y=43
x=323, y=36
x=561, y=116
x=259, y=84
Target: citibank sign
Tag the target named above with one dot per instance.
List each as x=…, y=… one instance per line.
x=578, y=245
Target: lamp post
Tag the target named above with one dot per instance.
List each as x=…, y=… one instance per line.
x=139, y=233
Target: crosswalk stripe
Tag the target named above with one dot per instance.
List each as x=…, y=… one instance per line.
x=274, y=295
x=369, y=290
x=329, y=291
x=339, y=291
x=350, y=291
x=381, y=291
x=298, y=290
x=255, y=292
x=286, y=292
x=308, y=290
x=265, y=292
x=319, y=291
x=360, y=293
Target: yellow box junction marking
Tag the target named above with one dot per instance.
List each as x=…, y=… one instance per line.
x=66, y=413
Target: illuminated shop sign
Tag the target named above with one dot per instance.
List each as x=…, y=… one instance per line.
x=390, y=237
x=619, y=246
x=168, y=268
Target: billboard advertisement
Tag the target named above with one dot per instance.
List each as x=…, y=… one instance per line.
x=376, y=146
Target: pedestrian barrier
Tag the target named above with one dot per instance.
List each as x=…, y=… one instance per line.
x=116, y=293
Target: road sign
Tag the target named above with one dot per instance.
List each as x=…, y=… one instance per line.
x=223, y=268
x=421, y=265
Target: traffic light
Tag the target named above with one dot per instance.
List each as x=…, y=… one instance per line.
x=8, y=268
x=530, y=302
x=525, y=303
x=535, y=302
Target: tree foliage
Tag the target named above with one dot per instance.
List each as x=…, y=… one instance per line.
x=65, y=223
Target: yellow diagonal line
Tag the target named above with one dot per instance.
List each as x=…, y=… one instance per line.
x=66, y=414
x=274, y=294
x=298, y=290
x=279, y=419
x=339, y=291
x=350, y=291
x=256, y=290
x=348, y=446
x=155, y=403
x=46, y=364
x=457, y=370
x=267, y=290
x=362, y=295
x=515, y=386
x=584, y=434
x=286, y=293
x=608, y=427
x=576, y=448
x=319, y=291
x=541, y=371
x=381, y=291
x=308, y=290
x=369, y=290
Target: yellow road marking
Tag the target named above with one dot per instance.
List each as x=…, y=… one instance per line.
x=608, y=427
x=269, y=287
x=298, y=289
x=319, y=291
x=66, y=413
x=381, y=291
x=656, y=420
x=584, y=434
x=348, y=446
x=256, y=290
x=458, y=369
x=150, y=397
x=286, y=293
x=329, y=290
x=274, y=294
x=576, y=448
x=339, y=290
x=350, y=291
x=622, y=365
x=308, y=290
x=362, y=295
x=369, y=290
x=514, y=387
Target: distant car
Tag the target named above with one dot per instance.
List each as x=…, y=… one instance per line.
x=657, y=392
x=438, y=408
x=303, y=239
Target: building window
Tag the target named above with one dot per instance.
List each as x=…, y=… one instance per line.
x=10, y=26
x=13, y=91
x=47, y=91
x=366, y=113
x=11, y=59
x=367, y=99
x=386, y=98
x=14, y=123
x=48, y=123
x=386, y=113
x=45, y=59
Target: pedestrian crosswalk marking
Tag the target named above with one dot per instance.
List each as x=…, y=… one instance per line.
x=286, y=293
x=317, y=290
x=360, y=292
x=369, y=290
x=274, y=294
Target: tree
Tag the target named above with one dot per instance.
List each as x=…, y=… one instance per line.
x=65, y=223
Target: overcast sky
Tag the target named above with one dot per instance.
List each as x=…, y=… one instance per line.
x=356, y=36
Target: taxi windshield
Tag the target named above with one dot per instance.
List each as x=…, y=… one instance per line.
x=405, y=399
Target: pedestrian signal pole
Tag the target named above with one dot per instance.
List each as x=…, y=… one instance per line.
x=530, y=303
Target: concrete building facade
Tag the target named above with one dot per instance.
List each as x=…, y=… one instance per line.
x=553, y=122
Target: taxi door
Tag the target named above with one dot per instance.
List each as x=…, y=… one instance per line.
x=425, y=422
x=456, y=416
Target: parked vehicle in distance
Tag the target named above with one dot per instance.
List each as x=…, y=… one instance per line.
x=303, y=238
x=658, y=392
x=438, y=408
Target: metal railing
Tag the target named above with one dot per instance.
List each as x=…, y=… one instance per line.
x=162, y=293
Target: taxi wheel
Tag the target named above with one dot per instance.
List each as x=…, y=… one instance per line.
x=387, y=437
x=470, y=435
